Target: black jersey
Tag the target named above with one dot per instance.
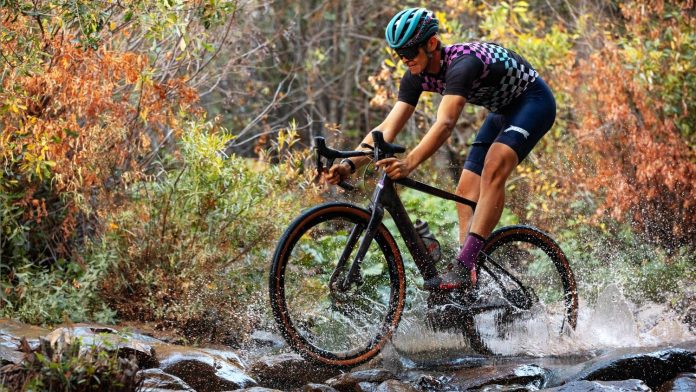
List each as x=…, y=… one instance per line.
x=486, y=74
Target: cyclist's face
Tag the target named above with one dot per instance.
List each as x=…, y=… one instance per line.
x=414, y=58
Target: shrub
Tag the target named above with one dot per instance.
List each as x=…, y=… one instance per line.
x=64, y=291
x=71, y=368
x=634, y=129
x=85, y=105
x=196, y=241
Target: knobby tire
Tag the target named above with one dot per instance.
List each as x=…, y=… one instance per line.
x=534, y=240
x=300, y=275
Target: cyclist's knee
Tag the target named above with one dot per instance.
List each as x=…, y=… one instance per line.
x=500, y=161
x=468, y=184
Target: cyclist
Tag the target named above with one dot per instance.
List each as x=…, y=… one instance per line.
x=521, y=110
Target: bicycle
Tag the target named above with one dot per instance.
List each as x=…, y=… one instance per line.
x=337, y=283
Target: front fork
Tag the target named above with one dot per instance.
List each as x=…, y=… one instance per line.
x=353, y=275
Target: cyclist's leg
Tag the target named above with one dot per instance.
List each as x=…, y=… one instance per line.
x=527, y=121
x=500, y=162
x=469, y=185
x=522, y=124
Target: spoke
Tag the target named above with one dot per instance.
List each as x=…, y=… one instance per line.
x=332, y=319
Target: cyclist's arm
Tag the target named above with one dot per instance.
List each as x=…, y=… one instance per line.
x=447, y=114
x=390, y=127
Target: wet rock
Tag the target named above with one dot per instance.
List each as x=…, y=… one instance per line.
x=257, y=389
x=10, y=356
x=318, y=388
x=19, y=330
x=507, y=388
x=395, y=386
x=201, y=370
x=107, y=338
x=229, y=356
x=365, y=387
x=8, y=341
x=12, y=331
x=143, y=337
x=347, y=382
x=654, y=368
x=152, y=333
x=683, y=382
x=155, y=380
x=288, y=371
x=430, y=383
x=602, y=386
x=507, y=378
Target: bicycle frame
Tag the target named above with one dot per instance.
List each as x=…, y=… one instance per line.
x=385, y=197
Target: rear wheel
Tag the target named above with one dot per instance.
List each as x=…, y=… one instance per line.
x=331, y=325
x=527, y=293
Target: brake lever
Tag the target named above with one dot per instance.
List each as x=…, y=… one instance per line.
x=321, y=169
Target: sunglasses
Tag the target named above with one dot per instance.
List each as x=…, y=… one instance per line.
x=408, y=53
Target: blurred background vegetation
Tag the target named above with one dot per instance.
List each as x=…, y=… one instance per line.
x=153, y=151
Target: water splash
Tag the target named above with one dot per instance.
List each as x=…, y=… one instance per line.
x=609, y=323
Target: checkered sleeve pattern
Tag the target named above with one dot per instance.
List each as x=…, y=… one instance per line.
x=506, y=75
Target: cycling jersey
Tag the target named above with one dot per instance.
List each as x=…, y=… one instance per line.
x=486, y=74
x=522, y=105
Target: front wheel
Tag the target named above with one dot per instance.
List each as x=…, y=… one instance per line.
x=320, y=318
x=527, y=290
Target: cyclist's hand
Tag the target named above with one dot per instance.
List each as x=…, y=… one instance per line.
x=337, y=173
x=395, y=168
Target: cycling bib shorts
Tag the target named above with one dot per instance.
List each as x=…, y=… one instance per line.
x=519, y=125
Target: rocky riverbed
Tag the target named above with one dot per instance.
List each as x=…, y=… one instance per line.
x=266, y=364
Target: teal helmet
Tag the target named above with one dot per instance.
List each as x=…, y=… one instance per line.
x=411, y=27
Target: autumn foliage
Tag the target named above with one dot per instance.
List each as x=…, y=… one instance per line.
x=632, y=152
x=78, y=123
